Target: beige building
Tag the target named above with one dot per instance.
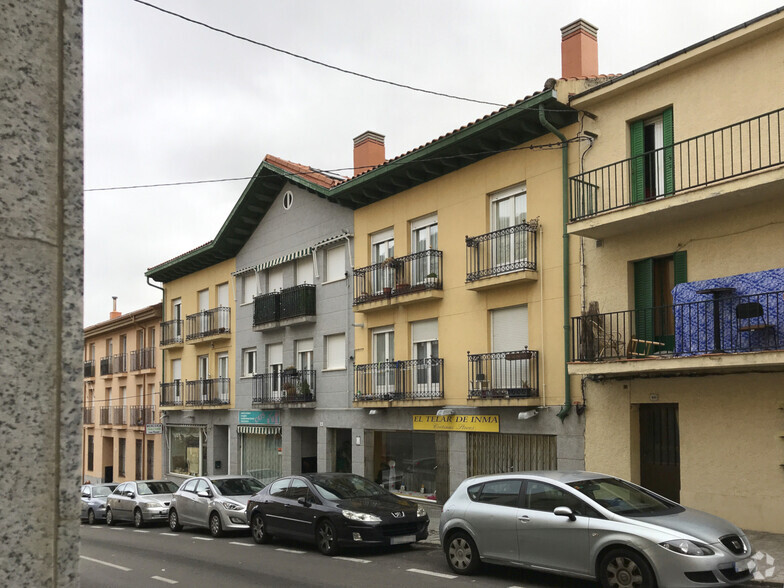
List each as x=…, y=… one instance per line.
x=678, y=211
x=120, y=398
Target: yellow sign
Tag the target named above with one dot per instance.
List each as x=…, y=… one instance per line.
x=476, y=423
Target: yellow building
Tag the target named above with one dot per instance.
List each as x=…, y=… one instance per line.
x=120, y=375
x=678, y=209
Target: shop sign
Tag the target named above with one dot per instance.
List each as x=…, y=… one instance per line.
x=259, y=417
x=475, y=423
x=154, y=428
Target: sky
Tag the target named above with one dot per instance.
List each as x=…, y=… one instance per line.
x=169, y=101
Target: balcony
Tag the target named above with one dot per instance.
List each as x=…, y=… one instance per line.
x=208, y=325
x=284, y=387
x=105, y=416
x=143, y=359
x=399, y=280
x=212, y=392
x=88, y=416
x=118, y=415
x=171, y=333
x=141, y=415
x=503, y=374
x=409, y=380
x=622, y=197
x=287, y=307
x=106, y=366
x=724, y=333
x=89, y=369
x=114, y=364
x=502, y=257
x=172, y=393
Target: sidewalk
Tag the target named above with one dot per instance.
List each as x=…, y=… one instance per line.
x=768, y=547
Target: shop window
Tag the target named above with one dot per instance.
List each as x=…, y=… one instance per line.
x=188, y=451
x=405, y=461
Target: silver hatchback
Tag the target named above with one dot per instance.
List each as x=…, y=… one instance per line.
x=593, y=526
x=215, y=502
x=142, y=502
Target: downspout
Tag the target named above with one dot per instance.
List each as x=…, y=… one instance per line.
x=163, y=377
x=562, y=414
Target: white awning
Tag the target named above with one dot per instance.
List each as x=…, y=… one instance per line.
x=257, y=430
x=332, y=239
x=276, y=261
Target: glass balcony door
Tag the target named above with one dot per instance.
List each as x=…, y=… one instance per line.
x=382, y=249
x=203, y=366
x=509, y=210
x=384, y=357
x=424, y=237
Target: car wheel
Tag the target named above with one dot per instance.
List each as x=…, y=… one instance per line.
x=109, y=516
x=461, y=553
x=174, y=521
x=216, y=529
x=90, y=517
x=258, y=529
x=624, y=568
x=327, y=538
x=138, y=519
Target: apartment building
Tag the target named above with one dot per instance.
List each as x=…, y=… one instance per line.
x=120, y=398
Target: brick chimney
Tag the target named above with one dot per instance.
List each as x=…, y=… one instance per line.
x=115, y=313
x=368, y=151
x=579, y=50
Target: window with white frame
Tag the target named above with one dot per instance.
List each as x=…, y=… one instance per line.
x=508, y=208
x=335, y=352
x=382, y=247
x=305, y=270
x=335, y=263
x=304, y=354
x=424, y=242
x=248, y=361
x=275, y=365
x=275, y=279
x=249, y=283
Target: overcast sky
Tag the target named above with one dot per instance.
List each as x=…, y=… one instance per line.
x=170, y=101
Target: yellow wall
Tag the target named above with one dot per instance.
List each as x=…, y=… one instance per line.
x=462, y=201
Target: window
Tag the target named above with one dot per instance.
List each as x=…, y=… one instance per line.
x=509, y=327
x=248, y=362
x=383, y=355
x=335, y=352
x=424, y=239
x=424, y=340
x=500, y=492
x=249, y=287
x=305, y=270
x=177, y=318
x=508, y=208
x=275, y=279
x=90, y=452
x=190, y=486
x=288, y=199
x=223, y=295
x=546, y=497
x=654, y=279
x=275, y=365
x=204, y=305
x=121, y=464
x=382, y=247
x=188, y=451
x=278, y=489
x=304, y=354
x=150, y=459
x=335, y=263
x=139, y=460
x=652, y=165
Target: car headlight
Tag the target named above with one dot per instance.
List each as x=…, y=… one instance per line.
x=361, y=516
x=685, y=547
x=228, y=505
x=421, y=512
x=152, y=506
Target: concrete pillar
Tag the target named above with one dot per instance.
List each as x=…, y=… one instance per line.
x=358, y=452
x=458, y=461
x=323, y=449
x=41, y=290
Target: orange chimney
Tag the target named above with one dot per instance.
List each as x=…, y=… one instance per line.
x=579, y=50
x=368, y=151
x=114, y=314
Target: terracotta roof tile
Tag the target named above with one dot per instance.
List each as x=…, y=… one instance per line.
x=180, y=255
x=308, y=173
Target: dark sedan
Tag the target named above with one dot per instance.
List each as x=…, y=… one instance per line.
x=334, y=511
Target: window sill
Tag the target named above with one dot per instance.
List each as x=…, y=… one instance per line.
x=334, y=281
x=340, y=369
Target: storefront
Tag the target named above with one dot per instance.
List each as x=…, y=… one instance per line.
x=187, y=449
x=261, y=454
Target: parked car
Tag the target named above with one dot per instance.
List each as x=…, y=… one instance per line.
x=215, y=502
x=142, y=501
x=589, y=525
x=94, y=501
x=334, y=510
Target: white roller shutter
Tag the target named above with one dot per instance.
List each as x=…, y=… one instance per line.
x=510, y=328
x=424, y=331
x=275, y=354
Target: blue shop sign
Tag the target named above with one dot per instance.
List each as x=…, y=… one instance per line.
x=260, y=417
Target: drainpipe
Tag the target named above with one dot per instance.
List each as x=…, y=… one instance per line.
x=163, y=374
x=562, y=414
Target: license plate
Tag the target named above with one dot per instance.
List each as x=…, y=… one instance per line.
x=400, y=539
x=745, y=564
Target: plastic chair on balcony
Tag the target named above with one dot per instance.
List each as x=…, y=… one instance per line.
x=751, y=319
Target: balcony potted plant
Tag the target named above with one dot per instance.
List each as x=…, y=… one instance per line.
x=290, y=371
x=305, y=395
x=430, y=279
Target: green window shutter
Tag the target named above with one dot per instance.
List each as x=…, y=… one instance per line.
x=643, y=299
x=669, y=155
x=679, y=263
x=637, y=162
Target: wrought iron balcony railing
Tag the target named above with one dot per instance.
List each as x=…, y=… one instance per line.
x=285, y=386
x=504, y=374
x=298, y=301
x=500, y=252
x=141, y=415
x=119, y=363
x=143, y=359
x=106, y=366
x=118, y=415
x=212, y=392
x=397, y=276
x=105, y=416
x=266, y=308
x=735, y=150
x=413, y=379
x=208, y=322
x=172, y=393
x=89, y=369
x=171, y=332
x=88, y=416
x=727, y=324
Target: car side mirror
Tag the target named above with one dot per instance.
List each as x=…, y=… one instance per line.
x=303, y=501
x=131, y=495
x=85, y=495
x=564, y=511
x=204, y=494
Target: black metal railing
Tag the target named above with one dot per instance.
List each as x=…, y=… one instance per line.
x=280, y=387
x=172, y=393
x=727, y=324
x=141, y=415
x=88, y=417
x=413, y=379
x=89, y=369
x=266, y=308
x=171, y=332
x=118, y=415
x=397, y=276
x=106, y=366
x=119, y=363
x=500, y=252
x=298, y=301
x=212, y=392
x=143, y=359
x=504, y=374
x=741, y=148
x=208, y=322
x=105, y=416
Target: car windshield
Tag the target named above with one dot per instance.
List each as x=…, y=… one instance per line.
x=622, y=498
x=340, y=487
x=147, y=488
x=102, y=491
x=238, y=486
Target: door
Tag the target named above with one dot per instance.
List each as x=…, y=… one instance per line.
x=427, y=372
x=185, y=502
x=275, y=369
x=494, y=516
x=424, y=241
x=508, y=210
x=200, y=504
x=660, y=460
x=223, y=308
x=652, y=157
x=176, y=394
x=222, y=385
x=509, y=334
x=382, y=248
x=299, y=518
x=384, y=357
x=177, y=318
x=273, y=508
x=654, y=280
x=204, y=306
x=204, y=373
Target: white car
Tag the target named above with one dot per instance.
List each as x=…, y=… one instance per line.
x=142, y=502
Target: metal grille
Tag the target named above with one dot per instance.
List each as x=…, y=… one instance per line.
x=496, y=453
